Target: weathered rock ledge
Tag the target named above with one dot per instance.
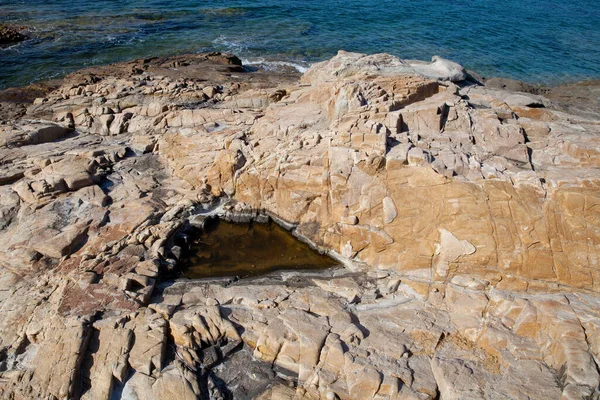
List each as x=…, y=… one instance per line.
x=467, y=217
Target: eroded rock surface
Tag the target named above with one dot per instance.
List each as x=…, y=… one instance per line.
x=466, y=216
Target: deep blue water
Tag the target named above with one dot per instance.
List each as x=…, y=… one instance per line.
x=549, y=41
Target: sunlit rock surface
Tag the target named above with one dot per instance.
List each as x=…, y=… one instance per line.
x=467, y=216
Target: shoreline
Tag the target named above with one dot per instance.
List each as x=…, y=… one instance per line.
x=533, y=87
x=270, y=63
x=579, y=97
x=66, y=39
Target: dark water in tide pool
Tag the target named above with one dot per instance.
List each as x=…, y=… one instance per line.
x=228, y=249
x=547, y=41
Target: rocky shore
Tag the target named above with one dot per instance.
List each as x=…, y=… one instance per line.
x=466, y=217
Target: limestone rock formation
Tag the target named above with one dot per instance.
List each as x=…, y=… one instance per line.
x=466, y=218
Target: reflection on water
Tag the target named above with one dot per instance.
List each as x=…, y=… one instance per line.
x=227, y=249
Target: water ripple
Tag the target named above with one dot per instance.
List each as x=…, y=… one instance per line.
x=553, y=41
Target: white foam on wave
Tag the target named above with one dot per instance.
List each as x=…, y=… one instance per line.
x=273, y=65
x=231, y=45
x=239, y=47
x=13, y=46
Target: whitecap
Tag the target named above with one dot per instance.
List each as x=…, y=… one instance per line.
x=230, y=45
x=12, y=46
x=270, y=65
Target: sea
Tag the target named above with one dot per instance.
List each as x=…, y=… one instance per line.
x=546, y=42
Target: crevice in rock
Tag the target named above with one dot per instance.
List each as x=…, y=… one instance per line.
x=3, y=358
x=561, y=376
x=587, y=339
x=93, y=344
x=171, y=353
x=106, y=185
x=356, y=321
x=76, y=385
x=444, y=110
x=530, y=156
x=22, y=347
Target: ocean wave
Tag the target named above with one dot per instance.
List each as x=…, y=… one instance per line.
x=238, y=10
x=231, y=45
x=225, y=11
x=270, y=65
x=12, y=46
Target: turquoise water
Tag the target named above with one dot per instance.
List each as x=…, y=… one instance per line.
x=551, y=41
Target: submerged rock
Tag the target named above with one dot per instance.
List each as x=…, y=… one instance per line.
x=466, y=217
x=10, y=35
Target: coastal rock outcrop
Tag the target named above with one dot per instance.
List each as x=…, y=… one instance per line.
x=10, y=35
x=466, y=217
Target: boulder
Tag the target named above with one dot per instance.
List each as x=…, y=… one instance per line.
x=441, y=69
x=10, y=35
